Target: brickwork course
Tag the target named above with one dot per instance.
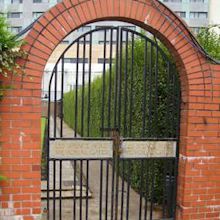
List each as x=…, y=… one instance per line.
x=198, y=194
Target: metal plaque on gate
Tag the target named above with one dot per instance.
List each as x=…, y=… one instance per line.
x=148, y=149
x=81, y=149
x=104, y=149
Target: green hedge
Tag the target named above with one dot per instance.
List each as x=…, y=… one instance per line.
x=160, y=96
x=161, y=114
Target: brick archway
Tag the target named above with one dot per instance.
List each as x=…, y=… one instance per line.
x=199, y=169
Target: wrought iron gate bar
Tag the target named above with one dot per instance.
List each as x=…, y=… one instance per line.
x=62, y=95
x=109, y=158
x=109, y=138
x=90, y=72
x=131, y=88
x=74, y=192
x=144, y=89
x=60, y=182
x=76, y=90
x=87, y=188
x=130, y=174
x=128, y=190
x=110, y=76
x=83, y=86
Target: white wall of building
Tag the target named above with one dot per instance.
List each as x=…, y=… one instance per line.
x=214, y=14
x=69, y=77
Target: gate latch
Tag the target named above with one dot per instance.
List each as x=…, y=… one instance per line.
x=116, y=143
x=115, y=134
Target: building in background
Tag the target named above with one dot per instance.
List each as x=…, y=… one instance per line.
x=214, y=14
x=21, y=13
x=194, y=12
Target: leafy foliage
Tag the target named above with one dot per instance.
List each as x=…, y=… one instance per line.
x=210, y=41
x=9, y=50
x=2, y=178
x=161, y=93
x=9, y=53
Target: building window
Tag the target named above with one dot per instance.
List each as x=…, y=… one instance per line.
x=82, y=42
x=37, y=1
x=16, y=30
x=197, y=1
x=107, y=42
x=74, y=60
x=14, y=15
x=182, y=14
x=84, y=29
x=133, y=28
x=101, y=60
x=85, y=39
x=16, y=1
x=195, y=29
x=65, y=42
x=172, y=0
x=36, y=15
x=104, y=27
x=198, y=15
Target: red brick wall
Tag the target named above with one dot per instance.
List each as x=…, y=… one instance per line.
x=199, y=164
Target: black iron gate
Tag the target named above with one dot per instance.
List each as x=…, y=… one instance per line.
x=113, y=126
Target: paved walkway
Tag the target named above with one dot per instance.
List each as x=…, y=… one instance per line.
x=68, y=199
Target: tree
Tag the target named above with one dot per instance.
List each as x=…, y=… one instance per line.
x=210, y=41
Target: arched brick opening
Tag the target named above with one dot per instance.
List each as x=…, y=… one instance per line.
x=199, y=169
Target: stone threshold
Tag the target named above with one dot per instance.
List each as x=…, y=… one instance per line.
x=67, y=191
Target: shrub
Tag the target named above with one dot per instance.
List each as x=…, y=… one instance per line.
x=9, y=53
x=2, y=178
x=210, y=40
